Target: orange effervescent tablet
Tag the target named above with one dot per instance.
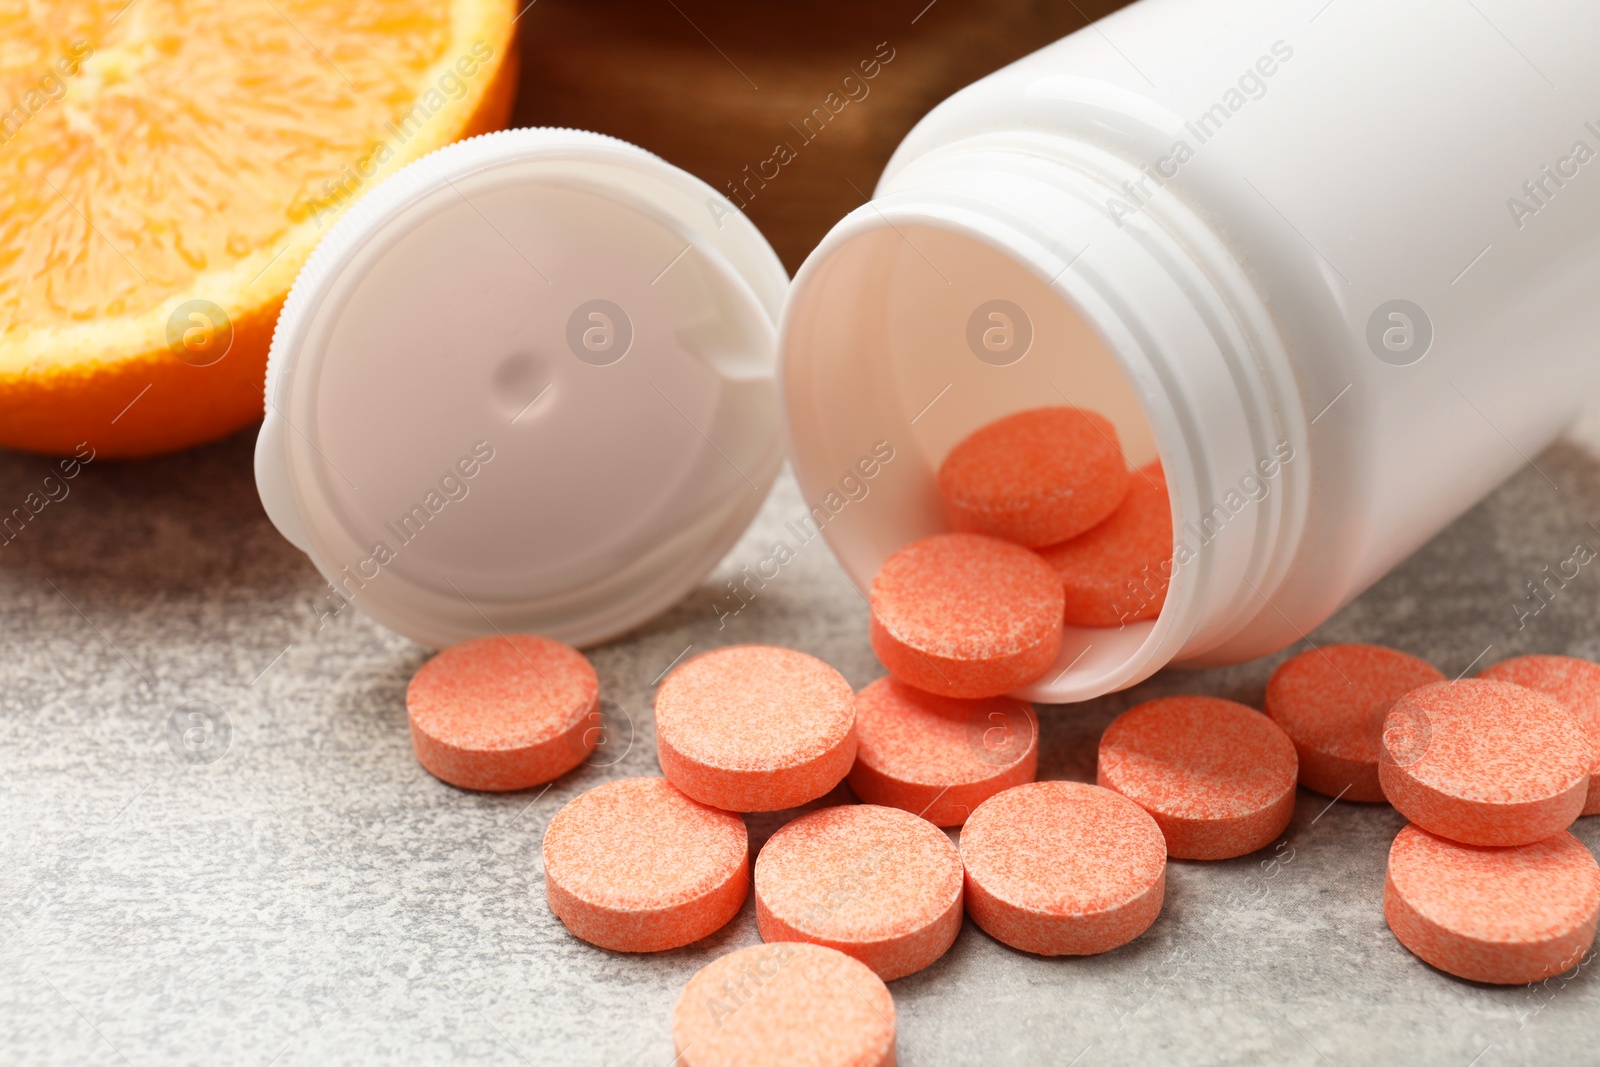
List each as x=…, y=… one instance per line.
x=755, y=728
x=636, y=866
x=1503, y=915
x=876, y=883
x=1574, y=682
x=939, y=757
x=1035, y=477
x=1485, y=762
x=1118, y=571
x=1063, y=868
x=784, y=1003
x=506, y=712
x=964, y=615
x=1217, y=776
x=1331, y=702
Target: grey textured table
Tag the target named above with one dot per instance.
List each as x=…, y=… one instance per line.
x=314, y=897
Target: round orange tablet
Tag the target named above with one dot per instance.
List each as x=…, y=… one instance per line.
x=1036, y=477
x=1331, y=702
x=1217, y=776
x=875, y=883
x=939, y=757
x=1485, y=762
x=1574, y=682
x=1117, y=571
x=636, y=866
x=784, y=1003
x=1063, y=868
x=1503, y=915
x=505, y=712
x=755, y=728
x=964, y=615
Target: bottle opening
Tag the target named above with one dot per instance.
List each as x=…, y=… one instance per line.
x=902, y=339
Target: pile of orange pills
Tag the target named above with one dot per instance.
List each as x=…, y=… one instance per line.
x=1049, y=527
x=1035, y=478
x=938, y=757
x=1052, y=530
x=1331, y=701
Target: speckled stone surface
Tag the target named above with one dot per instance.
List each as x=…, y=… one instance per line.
x=313, y=896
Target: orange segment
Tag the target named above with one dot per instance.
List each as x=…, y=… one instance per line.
x=154, y=154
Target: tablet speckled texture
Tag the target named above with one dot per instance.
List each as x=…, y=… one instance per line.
x=635, y=866
x=220, y=848
x=876, y=883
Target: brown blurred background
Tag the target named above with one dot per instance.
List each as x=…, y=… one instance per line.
x=714, y=85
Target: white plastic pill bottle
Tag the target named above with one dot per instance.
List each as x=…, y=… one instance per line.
x=1335, y=262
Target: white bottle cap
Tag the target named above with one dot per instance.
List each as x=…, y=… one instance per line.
x=525, y=384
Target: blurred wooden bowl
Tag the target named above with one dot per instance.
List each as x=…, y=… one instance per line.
x=738, y=93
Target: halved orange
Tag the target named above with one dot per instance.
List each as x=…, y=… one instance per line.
x=167, y=166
